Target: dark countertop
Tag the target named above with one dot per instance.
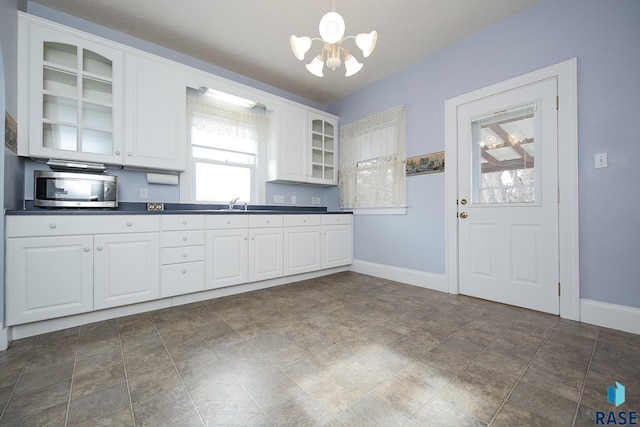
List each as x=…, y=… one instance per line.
x=133, y=208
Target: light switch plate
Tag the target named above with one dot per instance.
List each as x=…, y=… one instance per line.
x=600, y=160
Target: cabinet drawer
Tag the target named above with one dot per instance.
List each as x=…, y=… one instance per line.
x=172, y=239
x=178, y=279
x=261, y=221
x=337, y=219
x=227, y=221
x=302, y=220
x=182, y=222
x=184, y=254
x=68, y=225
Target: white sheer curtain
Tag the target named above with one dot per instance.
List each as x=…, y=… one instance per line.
x=372, y=161
x=227, y=120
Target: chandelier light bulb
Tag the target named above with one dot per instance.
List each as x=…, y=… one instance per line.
x=331, y=27
x=367, y=42
x=352, y=65
x=315, y=67
x=300, y=46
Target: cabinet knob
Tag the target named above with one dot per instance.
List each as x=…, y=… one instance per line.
x=245, y=238
x=129, y=224
x=184, y=255
x=53, y=225
x=130, y=154
x=184, y=222
x=185, y=238
x=268, y=221
x=253, y=238
x=117, y=152
x=304, y=220
x=99, y=248
x=184, y=271
x=228, y=222
x=87, y=249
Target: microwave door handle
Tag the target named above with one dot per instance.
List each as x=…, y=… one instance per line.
x=61, y=190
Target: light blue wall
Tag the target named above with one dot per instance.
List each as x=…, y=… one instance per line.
x=605, y=37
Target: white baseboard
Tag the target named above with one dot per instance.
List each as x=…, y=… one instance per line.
x=614, y=316
x=4, y=337
x=437, y=282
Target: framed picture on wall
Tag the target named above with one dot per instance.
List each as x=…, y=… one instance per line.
x=426, y=163
x=10, y=133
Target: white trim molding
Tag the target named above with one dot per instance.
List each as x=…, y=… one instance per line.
x=614, y=316
x=566, y=75
x=423, y=279
x=4, y=337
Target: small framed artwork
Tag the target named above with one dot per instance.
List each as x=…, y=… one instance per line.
x=427, y=163
x=10, y=133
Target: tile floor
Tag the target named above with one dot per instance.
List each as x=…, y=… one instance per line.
x=346, y=349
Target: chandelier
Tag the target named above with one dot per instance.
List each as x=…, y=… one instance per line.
x=332, y=35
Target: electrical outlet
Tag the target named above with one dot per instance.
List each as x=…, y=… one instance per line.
x=293, y=200
x=318, y=200
x=144, y=193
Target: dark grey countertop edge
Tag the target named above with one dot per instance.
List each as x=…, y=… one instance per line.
x=132, y=208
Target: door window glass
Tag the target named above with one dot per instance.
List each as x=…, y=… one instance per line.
x=505, y=157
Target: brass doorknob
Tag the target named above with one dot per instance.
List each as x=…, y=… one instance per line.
x=463, y=201
x=463, y=215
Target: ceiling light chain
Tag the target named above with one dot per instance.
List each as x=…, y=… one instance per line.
x=331, y=30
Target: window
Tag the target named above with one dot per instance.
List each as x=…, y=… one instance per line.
x=226, y=143
x=372, y=156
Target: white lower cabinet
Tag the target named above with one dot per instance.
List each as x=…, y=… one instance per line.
x=227, y=251
x=126, y=269
x=183, y=255
x=265, y=247
x=48, y=277
x=337, y=240
x=302, y=244
x=61, y=265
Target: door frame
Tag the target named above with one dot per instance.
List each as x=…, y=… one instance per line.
x=568, y=227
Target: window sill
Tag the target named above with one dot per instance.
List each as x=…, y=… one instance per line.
x=380, y=211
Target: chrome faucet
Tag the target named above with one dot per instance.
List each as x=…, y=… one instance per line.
x=232, y=203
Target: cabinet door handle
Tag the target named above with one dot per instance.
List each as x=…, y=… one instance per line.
x=184, y=222
x=129, y=224
x=53, y=225
x=185, y=238
x=130, y=154
x=87, y=249
x=184, y=271
x=228, y=222
x=117, y=152
x=99, y=248
x=253, y=238
x=184, y=255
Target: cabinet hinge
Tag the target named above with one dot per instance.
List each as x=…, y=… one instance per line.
x=558, y=288
x=557, y=102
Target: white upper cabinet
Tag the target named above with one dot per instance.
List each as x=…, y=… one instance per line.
x=323, y=144
x=74, y=105
x=155, y=111
x=304, y=147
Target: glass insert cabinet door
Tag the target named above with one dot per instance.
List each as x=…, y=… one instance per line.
x=323, y=146
x=74, y=96
x=505, y=161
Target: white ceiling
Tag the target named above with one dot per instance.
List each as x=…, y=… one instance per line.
x=251, y=37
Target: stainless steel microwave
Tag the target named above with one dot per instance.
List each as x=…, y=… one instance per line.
x=74, y=190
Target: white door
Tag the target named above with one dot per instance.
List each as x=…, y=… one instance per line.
x=126, y=269
x=265, y=253
x=302, y=249
x=48, y=277
x=508, y=197
x=227, y=257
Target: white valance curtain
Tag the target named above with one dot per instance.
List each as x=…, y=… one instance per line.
x=227, y=120
x=372, y=161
